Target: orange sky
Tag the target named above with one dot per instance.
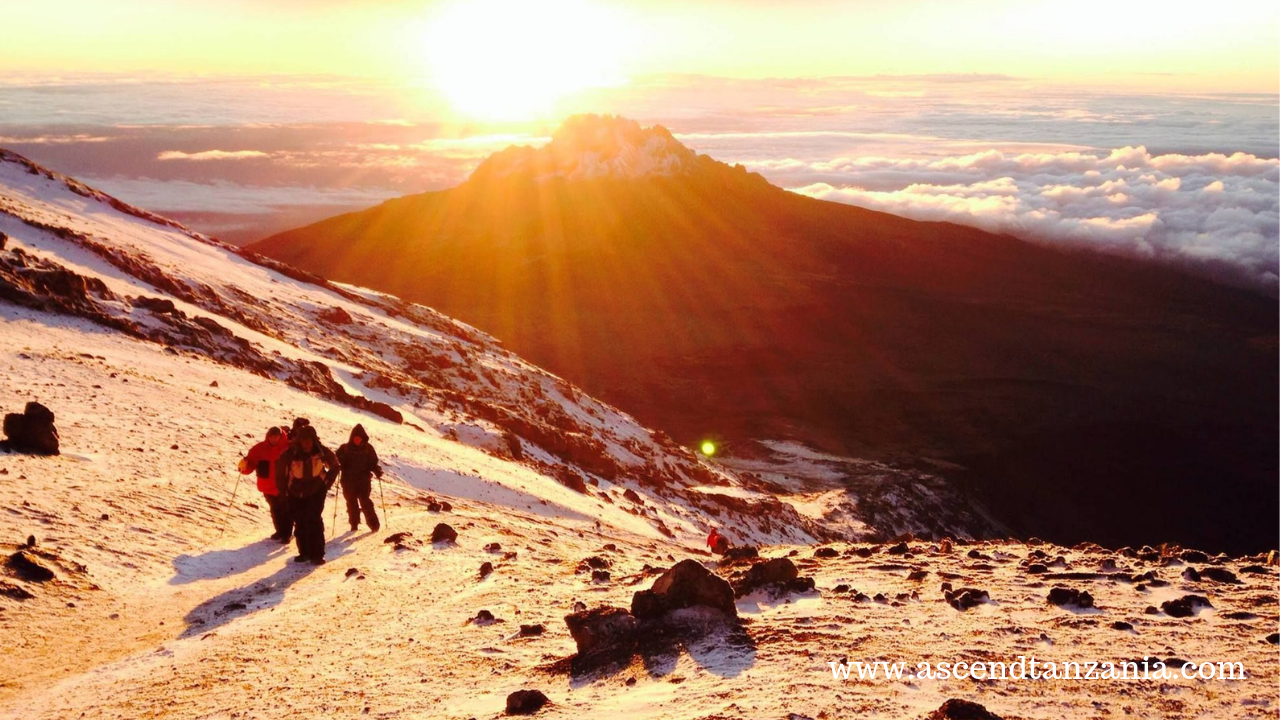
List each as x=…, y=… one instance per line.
x=514, y=58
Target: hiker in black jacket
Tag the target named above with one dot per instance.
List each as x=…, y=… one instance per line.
x=309, y=470
x=359, y=463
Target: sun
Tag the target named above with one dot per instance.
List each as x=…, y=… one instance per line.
x=517, y=59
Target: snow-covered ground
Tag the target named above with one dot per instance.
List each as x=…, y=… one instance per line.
x=169, y=601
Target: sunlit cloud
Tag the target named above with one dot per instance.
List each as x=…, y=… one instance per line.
x=52, y=139
x=206, y=155
x=1215, y=214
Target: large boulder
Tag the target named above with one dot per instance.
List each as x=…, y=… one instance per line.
x=687, y=584
x=602, y=629
x=32, y=431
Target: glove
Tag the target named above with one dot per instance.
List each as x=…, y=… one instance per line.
x=378, y=472
x=244, y=466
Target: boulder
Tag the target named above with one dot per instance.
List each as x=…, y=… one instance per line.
x=964, y=598
x=1185, y=606
x=826, y=552
x=1194, y=556
x=1219, y=575
x=687, y=584
x=1062, y=596
x=954, y=709
x=602, y=629
x=778, y=571
x=741, y=552
x=444, y=533
x=31, y=432
x=526, y=702
x=486, y=569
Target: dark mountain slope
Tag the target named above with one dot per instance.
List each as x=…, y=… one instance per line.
x=1089, y=397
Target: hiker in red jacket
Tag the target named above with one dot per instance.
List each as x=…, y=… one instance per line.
x=718, y=543
x=261, y=460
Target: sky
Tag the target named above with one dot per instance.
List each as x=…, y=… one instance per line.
x=1060, y=122
x=1175, y=45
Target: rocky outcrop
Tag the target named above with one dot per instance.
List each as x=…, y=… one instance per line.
x=687, y=584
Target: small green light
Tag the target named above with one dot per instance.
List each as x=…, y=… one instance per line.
x=708, y=448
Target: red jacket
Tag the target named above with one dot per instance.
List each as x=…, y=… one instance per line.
x=262, y=460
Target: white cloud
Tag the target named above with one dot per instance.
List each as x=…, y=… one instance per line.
x=211, y=155
x=1216, y=214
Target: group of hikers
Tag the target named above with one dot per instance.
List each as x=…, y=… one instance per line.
x=295, y=474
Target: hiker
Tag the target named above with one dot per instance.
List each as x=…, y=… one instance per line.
x=261, y=460
x=718, y=543
x=309, y=470
x=298, y=423
x=359, y=462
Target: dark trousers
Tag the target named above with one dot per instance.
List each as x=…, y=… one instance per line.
x=281, y=518
x=308, y=517
x=358, y=501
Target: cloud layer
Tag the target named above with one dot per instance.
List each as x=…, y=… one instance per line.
x=1216, y=215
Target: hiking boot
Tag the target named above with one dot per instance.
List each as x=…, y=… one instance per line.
x=355, y=527
x=317, y=561
x=375, y=527
x=277, y=537
x=300, y=559
x=284, y=539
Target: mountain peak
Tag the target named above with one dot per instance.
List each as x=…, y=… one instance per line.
x=596, y=146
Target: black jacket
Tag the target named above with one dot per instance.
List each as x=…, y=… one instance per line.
x=307, y=472
x=358, y=462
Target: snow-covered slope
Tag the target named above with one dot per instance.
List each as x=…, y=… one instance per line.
x=166, y=355
x=81, y=253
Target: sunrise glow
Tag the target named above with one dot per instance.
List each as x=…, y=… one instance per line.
x=515, y=60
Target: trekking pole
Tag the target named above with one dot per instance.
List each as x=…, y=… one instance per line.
x=334, y=527
x=382, y=498
x=227, y=515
